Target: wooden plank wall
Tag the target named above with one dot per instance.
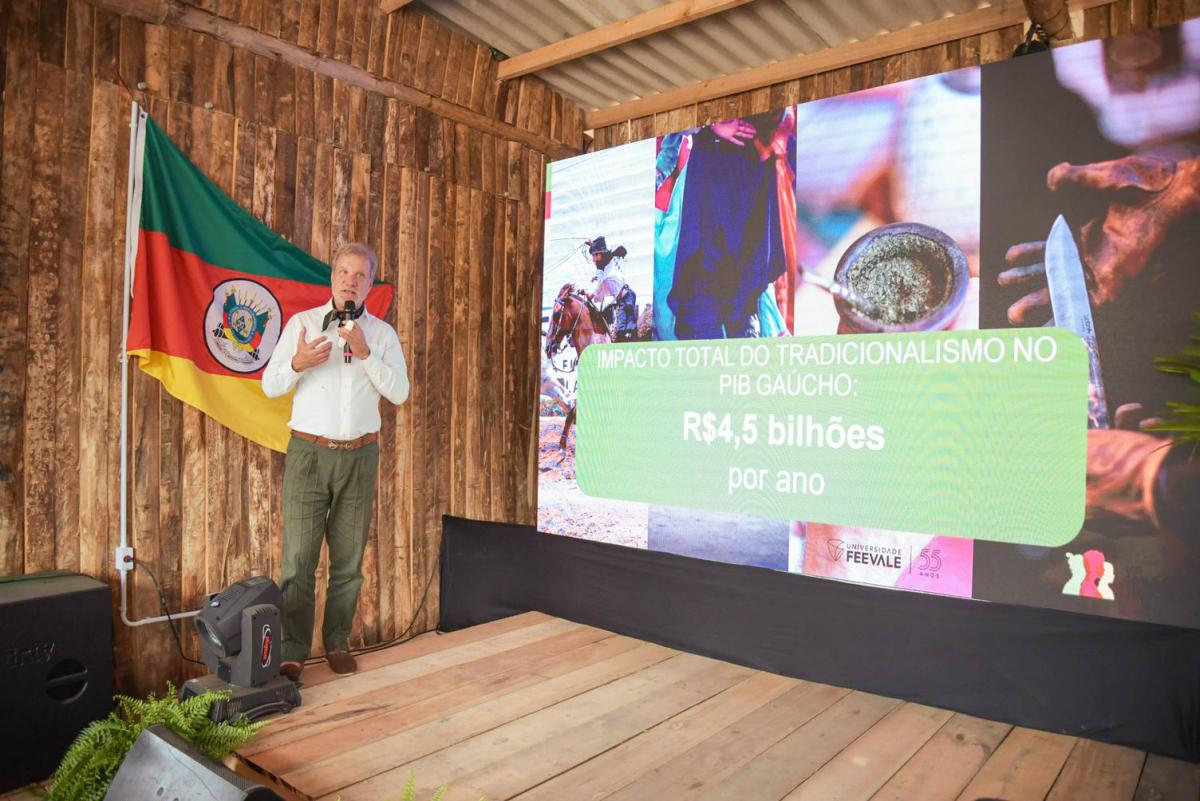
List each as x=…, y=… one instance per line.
x=1119, y=17
x=455, y=213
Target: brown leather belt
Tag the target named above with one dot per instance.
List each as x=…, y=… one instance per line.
x=338, y=444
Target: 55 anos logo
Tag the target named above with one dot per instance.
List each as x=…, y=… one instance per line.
x=242, y=325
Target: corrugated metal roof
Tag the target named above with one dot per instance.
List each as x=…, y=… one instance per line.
x=748, y=36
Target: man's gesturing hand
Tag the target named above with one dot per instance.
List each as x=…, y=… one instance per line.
x=310, y=354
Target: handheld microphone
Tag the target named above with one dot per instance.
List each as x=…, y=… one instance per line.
x=347, y=313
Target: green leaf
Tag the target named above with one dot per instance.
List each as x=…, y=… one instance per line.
x=1185, y=426
x=1181, y=426
x=88, y=767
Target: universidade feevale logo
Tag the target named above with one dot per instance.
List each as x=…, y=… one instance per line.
x=242, y=325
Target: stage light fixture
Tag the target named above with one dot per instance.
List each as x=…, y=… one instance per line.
x=239, y=639
x=1036, y=41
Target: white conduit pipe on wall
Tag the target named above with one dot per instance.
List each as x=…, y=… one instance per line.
x=124, y=555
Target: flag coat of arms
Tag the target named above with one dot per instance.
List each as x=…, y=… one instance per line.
x=212, y=290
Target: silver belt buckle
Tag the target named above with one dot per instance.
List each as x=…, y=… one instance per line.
x=333, y=445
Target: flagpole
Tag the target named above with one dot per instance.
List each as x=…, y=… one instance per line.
x=125, y=559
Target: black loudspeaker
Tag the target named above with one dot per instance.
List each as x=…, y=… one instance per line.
x=162, y=766
x=56, y=673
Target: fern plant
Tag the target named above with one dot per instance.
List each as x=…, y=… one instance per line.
x=1185, y=423
x=88, y=767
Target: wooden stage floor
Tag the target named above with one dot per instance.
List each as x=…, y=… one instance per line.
x=537, y=708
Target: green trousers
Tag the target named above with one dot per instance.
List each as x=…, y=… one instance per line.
x=327, y=495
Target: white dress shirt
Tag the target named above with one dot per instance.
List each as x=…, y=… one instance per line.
x=607, y=282
x=334, y=399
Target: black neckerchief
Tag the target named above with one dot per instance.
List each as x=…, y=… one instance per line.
x=333, y=315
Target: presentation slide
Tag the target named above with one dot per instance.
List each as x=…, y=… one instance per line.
x=939, y=336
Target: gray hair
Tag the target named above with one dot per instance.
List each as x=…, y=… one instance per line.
x=358, y=249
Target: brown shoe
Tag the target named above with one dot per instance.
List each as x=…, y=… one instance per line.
x=291, y=670
x=341, y=661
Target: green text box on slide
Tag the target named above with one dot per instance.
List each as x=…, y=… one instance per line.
x=977, y=434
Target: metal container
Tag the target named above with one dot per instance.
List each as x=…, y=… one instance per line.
x=914, y=274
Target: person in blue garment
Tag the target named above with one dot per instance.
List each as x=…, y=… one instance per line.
x=730, y=242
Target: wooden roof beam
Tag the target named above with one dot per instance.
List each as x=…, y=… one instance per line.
x=191, y=18
x=616, y=33
x=946, y=29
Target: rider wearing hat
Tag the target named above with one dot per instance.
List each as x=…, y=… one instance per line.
x=609, y=291
x=609, y=279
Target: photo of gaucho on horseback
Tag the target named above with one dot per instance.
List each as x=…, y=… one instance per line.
x=611, y=294
x=604, y=310
x=598, y=273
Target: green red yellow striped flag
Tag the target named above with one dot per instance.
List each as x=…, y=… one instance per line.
x=212, y=290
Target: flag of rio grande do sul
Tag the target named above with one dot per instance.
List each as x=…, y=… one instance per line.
x=212, y=290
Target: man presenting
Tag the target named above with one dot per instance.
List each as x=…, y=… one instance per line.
x=333, y=456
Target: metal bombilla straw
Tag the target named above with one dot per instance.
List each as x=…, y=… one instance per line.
x=848, y=295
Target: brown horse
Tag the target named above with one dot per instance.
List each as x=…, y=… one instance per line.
x=577, y=321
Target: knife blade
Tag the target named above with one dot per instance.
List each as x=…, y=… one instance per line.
x=1073, y=310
